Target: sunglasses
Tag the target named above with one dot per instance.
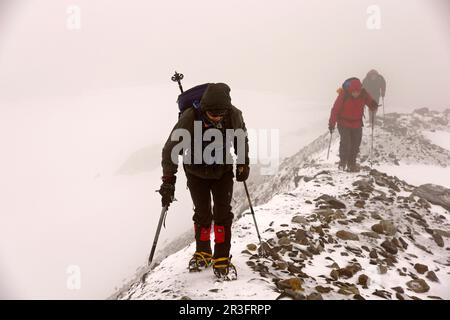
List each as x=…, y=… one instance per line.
x=216, y=114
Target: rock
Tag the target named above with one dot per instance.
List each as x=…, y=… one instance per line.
x=314, y=296
x=364, y=281
x=418, y=286
x=420, y=268
x=265, y=251
x=358, y=297
x=383, y=294
x=373, y=254
x=282, y=234
x=388, y=227
x=281, y=265
x=293, y=268
x=285, y=241
x=438, y=239
x=315, y=249
x=185, y=298
x=252, y=247
x=378, y=228
x=442, y=233
x=389, y=247
x=292, y=294
x=382, y=269
x=346, y=235
x=435, y=194
x=301, y=237
x=363, y=185
x=403, y=243
x=432, y=276
x=422, y=247
x=360, y=203
x=321, y=289
x=300, y=220
x=399, y=296
x=375, y=216
x=334, y=274
x=292, y=283
x=331, y=201
x=398, y=289
x=347, y=289
x=370, y=234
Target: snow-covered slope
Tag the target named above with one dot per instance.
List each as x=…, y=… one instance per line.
x=332, y=234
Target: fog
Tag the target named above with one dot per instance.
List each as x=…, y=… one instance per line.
x=84, y=113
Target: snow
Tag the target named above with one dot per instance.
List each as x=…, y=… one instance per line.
x=440, y=138
x=171, y=279
x=418, y=174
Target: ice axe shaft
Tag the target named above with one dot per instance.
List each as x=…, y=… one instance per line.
x=253, y=212
x=158, y=230
x=329, y=146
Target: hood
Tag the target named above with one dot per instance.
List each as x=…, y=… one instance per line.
x=216, y=97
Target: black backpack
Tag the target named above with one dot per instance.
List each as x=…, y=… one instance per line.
x=191, y=98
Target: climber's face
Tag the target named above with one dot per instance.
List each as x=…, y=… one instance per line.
x=355, y=94
x=214, y=117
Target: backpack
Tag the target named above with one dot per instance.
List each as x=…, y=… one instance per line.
x=191, y=98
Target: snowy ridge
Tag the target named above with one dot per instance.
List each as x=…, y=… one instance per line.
x=318, y=251
x=331, y=234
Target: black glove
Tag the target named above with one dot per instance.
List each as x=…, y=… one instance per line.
x=242, y=172
x=167, y=190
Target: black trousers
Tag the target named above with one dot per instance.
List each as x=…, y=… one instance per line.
x=220, y=213
x=349, y=145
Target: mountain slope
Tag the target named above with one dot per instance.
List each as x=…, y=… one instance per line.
x=320, y=248
x=332, y=234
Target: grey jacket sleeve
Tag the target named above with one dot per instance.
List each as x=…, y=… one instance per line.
x=383, y=86
x=186, y=122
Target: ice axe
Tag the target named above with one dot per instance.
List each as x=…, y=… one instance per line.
x=162, y=220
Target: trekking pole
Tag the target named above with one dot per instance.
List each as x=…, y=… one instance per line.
x=371, y=147
x=158, y=230
x=254, y=218
x=329, y=146
x=177, y=77
x=383, y=109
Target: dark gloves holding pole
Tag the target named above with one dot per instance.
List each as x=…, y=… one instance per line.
x=242, y=172
x=167, y=190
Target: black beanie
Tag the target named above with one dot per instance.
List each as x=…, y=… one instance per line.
x=216, y=97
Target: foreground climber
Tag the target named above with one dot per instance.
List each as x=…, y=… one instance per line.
x=347, y=112
x=204, y=179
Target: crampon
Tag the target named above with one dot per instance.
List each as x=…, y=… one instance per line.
x=224, y=270
x=200, y=261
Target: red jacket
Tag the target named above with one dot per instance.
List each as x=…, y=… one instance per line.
x=348, y=111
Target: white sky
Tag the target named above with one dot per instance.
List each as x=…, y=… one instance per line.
x=305, y=48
